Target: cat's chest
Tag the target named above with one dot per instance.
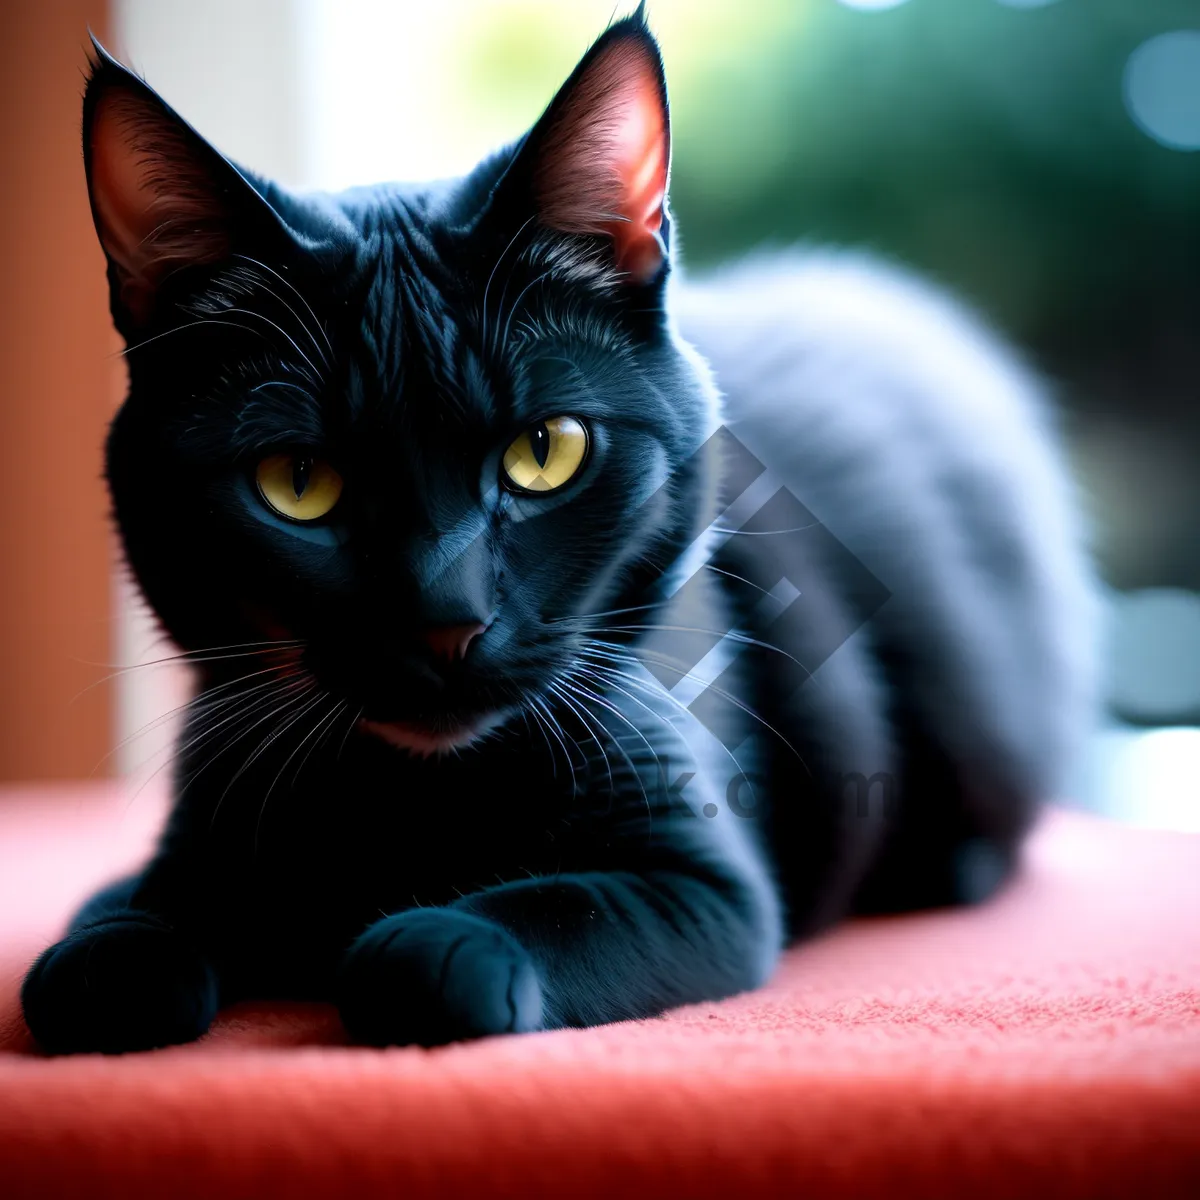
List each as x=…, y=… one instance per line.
x=373, y=836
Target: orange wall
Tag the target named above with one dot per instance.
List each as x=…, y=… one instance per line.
x=59, y=383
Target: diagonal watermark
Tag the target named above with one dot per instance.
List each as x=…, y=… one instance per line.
x=698, y=661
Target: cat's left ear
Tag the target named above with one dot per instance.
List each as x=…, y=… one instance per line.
x=598, y=161
x=163, y=200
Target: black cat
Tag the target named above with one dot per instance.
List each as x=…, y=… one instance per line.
x=434, y=493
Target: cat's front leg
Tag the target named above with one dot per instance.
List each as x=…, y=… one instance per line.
x=570, y=950
x=125, y=978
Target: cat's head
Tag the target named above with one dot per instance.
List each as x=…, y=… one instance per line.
x=422, y=433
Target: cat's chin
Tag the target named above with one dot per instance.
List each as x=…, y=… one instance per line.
x=426, y=740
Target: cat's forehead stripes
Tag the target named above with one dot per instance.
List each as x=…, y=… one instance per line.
x=417, y=361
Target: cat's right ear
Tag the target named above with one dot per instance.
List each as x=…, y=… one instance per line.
x=162, y=198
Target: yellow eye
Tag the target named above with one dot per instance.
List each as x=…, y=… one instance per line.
x=299, y=488
x=547, y=455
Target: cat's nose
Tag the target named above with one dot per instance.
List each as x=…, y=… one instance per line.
x=450, y=642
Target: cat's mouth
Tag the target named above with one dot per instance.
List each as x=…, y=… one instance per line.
x=427, y=738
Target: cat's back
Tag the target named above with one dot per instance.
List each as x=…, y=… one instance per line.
x=928, y=449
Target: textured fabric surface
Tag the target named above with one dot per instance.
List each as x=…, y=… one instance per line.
x=1046, y=1044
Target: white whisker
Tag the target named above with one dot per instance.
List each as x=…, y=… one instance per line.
x=300, y=296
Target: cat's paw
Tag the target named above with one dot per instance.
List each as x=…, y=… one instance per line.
x=433, y=975
x=126, y=983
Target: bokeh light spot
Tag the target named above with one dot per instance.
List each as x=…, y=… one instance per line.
x=1155, y=655
x=1162, y=88
x=871, y=4
x=1150, y=779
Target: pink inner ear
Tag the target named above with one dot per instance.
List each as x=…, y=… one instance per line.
x=154, y=206
x=604, y=164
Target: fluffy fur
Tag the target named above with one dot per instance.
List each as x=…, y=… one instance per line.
x=567, y=825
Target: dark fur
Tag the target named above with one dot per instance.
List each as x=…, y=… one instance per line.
x=544, y=876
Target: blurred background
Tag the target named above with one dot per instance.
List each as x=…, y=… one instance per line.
x=1040, y=157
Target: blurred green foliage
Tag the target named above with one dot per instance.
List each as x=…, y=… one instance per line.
x=989, y=145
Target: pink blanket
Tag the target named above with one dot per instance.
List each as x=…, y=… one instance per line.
x=1046, y=1044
